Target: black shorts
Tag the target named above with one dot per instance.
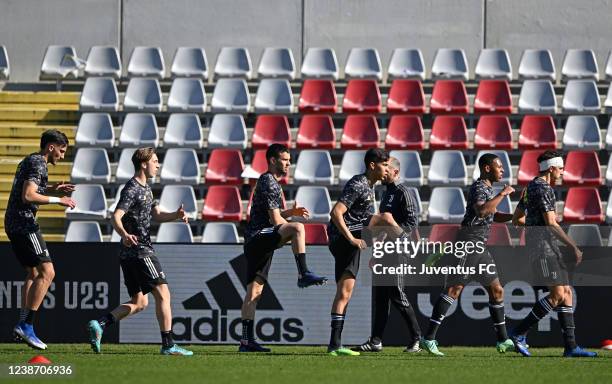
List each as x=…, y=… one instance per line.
x=31, y=249
x=346, y=256
x=259, y=250
x=142, y=274
x=549, y=271
x=478, y=263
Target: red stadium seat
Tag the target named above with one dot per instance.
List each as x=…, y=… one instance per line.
x=224, y=166
x=529, y=168
x=493, y=96
x=316, y=234
x=448, y=132
x=493, y=131
x=250, y=204
x=316, y=131
x=405, y=132
x=360, y=131
x=318, y=96
x=537, y=132
x=449, y=96
x=406, y=96
x=444, y=232
x=271, y=129
x=583, y=205
x=582, y=168
x=362, y=96
x=222, y=203
x=260, y=165
x=499, y=235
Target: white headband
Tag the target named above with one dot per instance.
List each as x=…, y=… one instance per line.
x=554, y=162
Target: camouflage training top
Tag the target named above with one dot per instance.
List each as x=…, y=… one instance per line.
x=137, y=202
x=474, y=226
x=358, y=197
x=268, y=195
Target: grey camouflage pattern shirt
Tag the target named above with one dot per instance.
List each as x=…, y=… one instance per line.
x=474, y=226
x=137, y=202
x=358, y=197
x=268, y=195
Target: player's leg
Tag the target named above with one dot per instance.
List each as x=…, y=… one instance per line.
x=163, y=311
x=344, y=291
x=31, y=274
x=248, y=342
x=379, y=322
x=565, y=313
x=295, y=233
x=445, y=301
x=400, y=301
x=498, y=316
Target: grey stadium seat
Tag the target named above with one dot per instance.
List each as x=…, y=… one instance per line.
x=505, y=205
x=147, y=62
x=446, y=205
x=450, y=63
x=406, y=63
x=183, y=130
x=125, y=168
x=320, y=63
x=225, y=233
x=609, y=136
x=314, y=167
x=411, y=169
x=180, y=166
x=363, y=63
x=139, y=130
x=83, y=231
x=143, y=95
x=277, y=62
x=227, y=131
x=609, y=66
x=175, y=232
x=581, y=96
x=113, y=206
x=90, y=203
x=59, y=63
x=187, y=95
x=493, y=64
x=537, y=64
x=5, y=66
x=274, y=96
x=505, y=160
x=234, y=62
x=316, y=199
x=99, y=94
x=172, y=196
x=95, y=130
x=351, y=165
x=537, y=96
x=580, y=64
x=585, y=235
x=103, y=60
x=447, y=168
x=190, y=62
x=90, y=165
x=609, y=213
x=231, y=95
x=582, y=133
x=608, y=101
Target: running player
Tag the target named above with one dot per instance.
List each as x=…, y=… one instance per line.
x=536, y=210
x=267, y=231
x=142, y=272
x=30, y=190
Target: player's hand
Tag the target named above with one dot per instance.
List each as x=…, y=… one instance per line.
x=358, y=243
x=578, y=254
x=507, y=190
x=299, y=211
x=130, y=240
x=181, y=215
x=67, y=202
x=63, y=187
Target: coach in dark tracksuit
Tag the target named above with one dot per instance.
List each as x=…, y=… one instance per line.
x=399, y=201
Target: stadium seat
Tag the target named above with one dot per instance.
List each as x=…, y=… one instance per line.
x=352, y=164
x=362, y=96
x=5, y=66
x=125, y=168
x=187, y=95
x=582, y=133
x=585, y=235
x=271, y=129
x=316, y=200
x=505, y=205
x=537, y=131
x=274, y=96
x=222, y=203
x=113, y=206
x=493, y=64
x=115, y=238
x=258, y=166
x=493, y=96
x=147, y=62
x=529, y=168
x=580, y=64
x=139, y=129
x=190, y=62
x=172, y=196
x=220, y=233
x=537, y=64
x=314, y=167
x=444, y=232
x=609, y=172
x=103, y=61
x=608, y=69
x=360, y=131
x=449, y=96
x=83, y=231
x=609, y=214
x=316, y=234
x=537, y=96
x=406, y=63
x=227, y=131
x=363, y=63
x=184, y=130
x=180, y=166
x=493, y=131
x=277, y=63
x=99, y=94
x=447, y=168
x=316, y=131
x=609, y=136
x=231, y=95
x=143, y=95
x=320, y=63
x=406, y=96
x=449, y=64
x=405, y=132
x=581, y=96
x=318, y=96
x=608, y=101
x=499, y=235
x=95, y=130
x=225, y=166
x=174, y=232
x=233, y=62
x=90, y=203
x=582, y=168
x=411, y=169
x=583, y=205
x=91, y=165
x=446, y=205
x=505, y=160
x=59, y=63
x=448, y=132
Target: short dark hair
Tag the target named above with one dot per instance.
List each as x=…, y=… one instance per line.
x=375, y=155
x=549, y=155
x=53, y=136
x=142, y=155
x=486, y=159
x=275, y=150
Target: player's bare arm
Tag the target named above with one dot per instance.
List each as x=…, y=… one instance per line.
x=30, y=195
x=127, y=239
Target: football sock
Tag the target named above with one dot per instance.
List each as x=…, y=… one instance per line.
x=438, y=314
x=496, y=309
x=300, y=261
x=22, y=315
x=247, y=330
x=107, y=320
x=539, y=310
x=166, y=337
x=566, y=319
x=30, y=315
x=337, y=323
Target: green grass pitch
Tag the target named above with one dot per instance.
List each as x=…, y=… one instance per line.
x=287, y=364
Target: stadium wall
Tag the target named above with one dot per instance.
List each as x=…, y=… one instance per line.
x=27, y=27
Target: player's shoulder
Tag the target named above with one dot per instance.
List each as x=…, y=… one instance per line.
x=359, y=180
x=267, y=181
x=131, y=186
x=34, y=160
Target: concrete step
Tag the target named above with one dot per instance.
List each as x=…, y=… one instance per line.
x=8, y=167
x=13, y=97
x=28, y=113
x=16, y=147
x=28, y=130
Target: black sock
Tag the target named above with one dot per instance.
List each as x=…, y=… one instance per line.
x=566, y=319
x=30, y=315
x=247, y=330
x=496, y=309
x=22, y=315
x=539, y=310
x=166, y=337
x=410, y=318
x=300, y=261
x=438, y=314
x=107, y=320
x=337, y=323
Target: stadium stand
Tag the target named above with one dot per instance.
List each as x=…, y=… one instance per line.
x=580, y=64
x=147, y=62
x=405, y=132
x=406, y=63
x=91, y=165
x=320, y=63
x=448, y=132
x=444, y=232
x=582, y=133
x=450, y=64
x=319, y=96
x=316, y=131
x=493, y=131
x=581, y=96
x=493, y=63
x=59, y=63
x=537, y=131
x=537, y=96
x=406, y=96
x=103, y=61
x=234, y=62
x=537, y=64
x=139, y=129
x=222, y=203
x=190, y=62
x=143, y=95
x=449, y=96
x=363, y=63
x=187, y=95
x=184, y=130
x=352, y=164
x=271, y=129
x=180, y=166
x=360, y=131
x=582, y=168
x=227, y=131
x=225, y=166
x=493, y=96
x=314, y=167
x=95, y=130
x=231, y=95
x=99, y=94
x=277, y=62
x=362, y=96
x=274, y=96
x=583, y=205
